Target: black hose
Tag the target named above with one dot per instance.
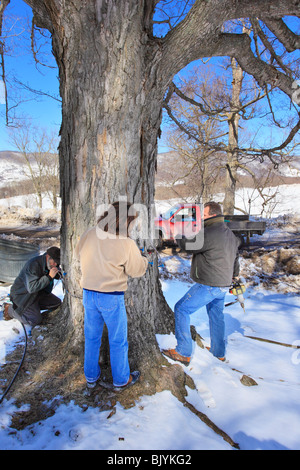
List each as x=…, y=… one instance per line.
x=20, y=365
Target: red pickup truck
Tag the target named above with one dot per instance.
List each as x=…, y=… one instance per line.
x=182, y=219
x=186, y=219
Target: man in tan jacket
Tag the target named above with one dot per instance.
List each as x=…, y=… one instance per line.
x=107, y=259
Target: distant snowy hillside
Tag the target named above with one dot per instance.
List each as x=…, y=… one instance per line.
x=12, y=168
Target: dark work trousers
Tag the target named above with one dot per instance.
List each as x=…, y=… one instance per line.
x=32, y=315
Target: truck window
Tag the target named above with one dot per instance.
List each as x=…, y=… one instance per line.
x=186, y=214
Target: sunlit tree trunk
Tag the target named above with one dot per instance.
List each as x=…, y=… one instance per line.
x=111, y=117
x=233, y=139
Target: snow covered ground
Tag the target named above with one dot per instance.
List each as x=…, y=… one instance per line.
x=264, y=416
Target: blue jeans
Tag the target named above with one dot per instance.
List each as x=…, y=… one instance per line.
x=199, y=296
x=108, y=308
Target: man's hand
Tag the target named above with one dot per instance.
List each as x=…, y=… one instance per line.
x=53, y=272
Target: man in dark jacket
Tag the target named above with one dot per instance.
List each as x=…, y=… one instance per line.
x=214, y=265
x=31, y=290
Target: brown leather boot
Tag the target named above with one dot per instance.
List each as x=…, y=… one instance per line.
x=222, y=359
x=172, y=354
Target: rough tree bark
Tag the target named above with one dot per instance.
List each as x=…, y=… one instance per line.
x=113, y=76
x=111, y=114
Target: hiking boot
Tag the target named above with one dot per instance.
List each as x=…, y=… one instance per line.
x=175, y=356
x=222, y=359
x=133, y=378
x=6, y=315
x=91, y=385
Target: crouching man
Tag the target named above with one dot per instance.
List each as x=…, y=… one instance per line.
x=31, y=291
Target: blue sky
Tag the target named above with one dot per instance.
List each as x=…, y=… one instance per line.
x=43, y=112
x=46, y=112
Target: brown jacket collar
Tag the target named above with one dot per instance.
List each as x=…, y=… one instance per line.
x=213, y=220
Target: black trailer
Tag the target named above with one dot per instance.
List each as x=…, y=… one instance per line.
x=244, y=228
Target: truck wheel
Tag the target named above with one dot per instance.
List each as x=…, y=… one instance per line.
x=159, y=243
x=242, y=240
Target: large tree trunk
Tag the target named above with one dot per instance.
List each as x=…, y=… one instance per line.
x=111, y=117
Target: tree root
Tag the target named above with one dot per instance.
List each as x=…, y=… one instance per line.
x=176, y=381
x=264, y=340
x=173, y=378
x=212, y=425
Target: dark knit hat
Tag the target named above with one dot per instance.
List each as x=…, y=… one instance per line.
x=54, y=253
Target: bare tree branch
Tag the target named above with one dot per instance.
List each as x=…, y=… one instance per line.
x=33, y=46
x=288, y=38
x=174, y=89
x=45, y=12
x=268, y=45
x=274, y=154
x=3, y=5
x=181, y=47
x=239, y=46
x=36, y=92
x=287, y=141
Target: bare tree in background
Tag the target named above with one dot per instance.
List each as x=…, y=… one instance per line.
x=194, y=134
x=38, y=149
x=239, y=106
